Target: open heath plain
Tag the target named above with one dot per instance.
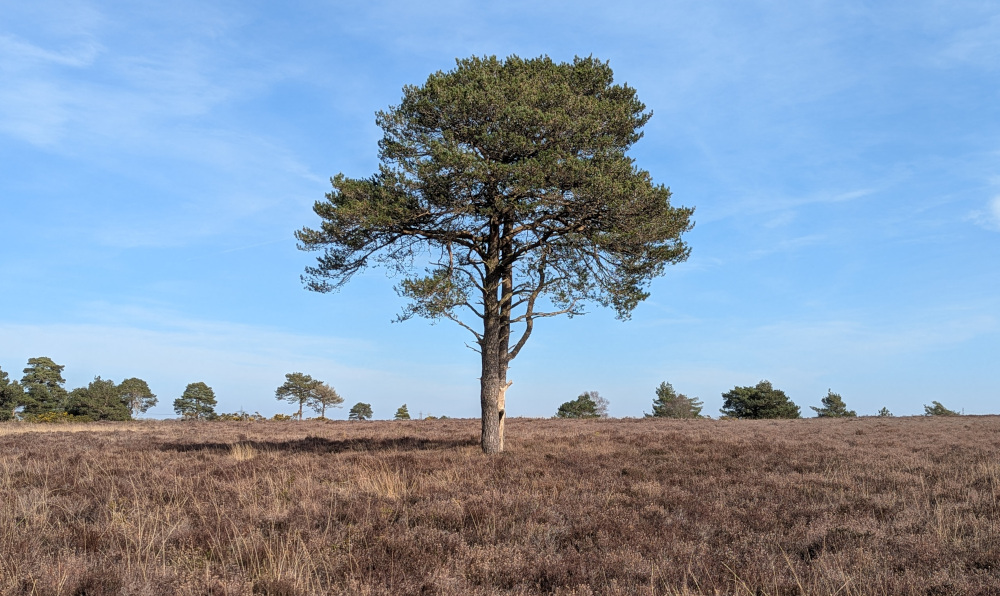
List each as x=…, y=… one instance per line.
x=893, y=506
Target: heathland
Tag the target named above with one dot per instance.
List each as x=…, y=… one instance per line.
x=817, y=506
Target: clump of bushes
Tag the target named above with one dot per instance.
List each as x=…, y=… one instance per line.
x=589, y=404
x=239, y=417
x=758, y=402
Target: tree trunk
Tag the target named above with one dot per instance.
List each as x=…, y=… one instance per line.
x=491, y=388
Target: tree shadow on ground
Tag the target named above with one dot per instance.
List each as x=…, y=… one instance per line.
x=322, y=445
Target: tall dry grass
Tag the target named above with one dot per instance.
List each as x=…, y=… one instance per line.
x=865, y=506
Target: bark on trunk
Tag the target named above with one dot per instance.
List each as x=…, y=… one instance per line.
x=494, y=344
x=492, y=386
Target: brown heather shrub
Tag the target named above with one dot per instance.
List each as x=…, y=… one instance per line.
x=820, y=506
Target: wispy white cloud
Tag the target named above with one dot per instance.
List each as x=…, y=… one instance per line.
x=974, y=42
x=988, y=217
x=19, y=54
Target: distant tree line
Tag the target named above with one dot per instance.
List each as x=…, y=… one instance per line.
x=756, y=402
x=41, y=395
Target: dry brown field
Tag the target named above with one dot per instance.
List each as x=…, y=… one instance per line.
x=865, y=506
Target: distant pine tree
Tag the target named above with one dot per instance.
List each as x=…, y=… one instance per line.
x=197, y=402
x=589, y=404
x=11, y=395
x=100, y=400
x=760, y=401
x=833, y=407
x=43, y=387
x=402, y=413
x=938, y=410
x=670, y=404
x=360, y=411
x=885, y=413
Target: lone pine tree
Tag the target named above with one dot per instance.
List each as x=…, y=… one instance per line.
x=833, y=407
x=360, y=411
x=197, y=402
x=512, y=175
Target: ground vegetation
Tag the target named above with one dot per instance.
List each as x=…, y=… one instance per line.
x=850, y=506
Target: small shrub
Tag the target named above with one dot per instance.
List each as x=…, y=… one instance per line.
x=56, y=418
x=402, y=413
x=282, y=417
x=238, y=417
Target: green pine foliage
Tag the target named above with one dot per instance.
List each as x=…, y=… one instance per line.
x=196, y=403
x=833, y=407
x=938, y=410
x=884, y=413
x=298, y=388
x=136, y=393
x=360, y=411
x=43, y=387
x=324, y=396
x=757, y=402
x=11, y=396
x=100, y=400
x=589, y=404
x=402, y=413
x=670, y=404
x=514, y=177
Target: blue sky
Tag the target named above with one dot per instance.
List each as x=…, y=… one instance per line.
x=843, y=158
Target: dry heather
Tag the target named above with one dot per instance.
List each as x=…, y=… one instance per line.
x=865, y=506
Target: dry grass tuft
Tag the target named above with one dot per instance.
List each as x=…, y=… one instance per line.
x=243, y=452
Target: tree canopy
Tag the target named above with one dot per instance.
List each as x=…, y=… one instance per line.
x=938, y=410
x=670, y=404
x=100, y=400
x=10, y=396
x=298, y=388
x=43, y=386
x=324, y=396
x=588, y=404
x=760, y=401
x=833, y=407
x=505, y=194
x=402, y=413
x=136, y=393
x=360, y=411
x=197, y=401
